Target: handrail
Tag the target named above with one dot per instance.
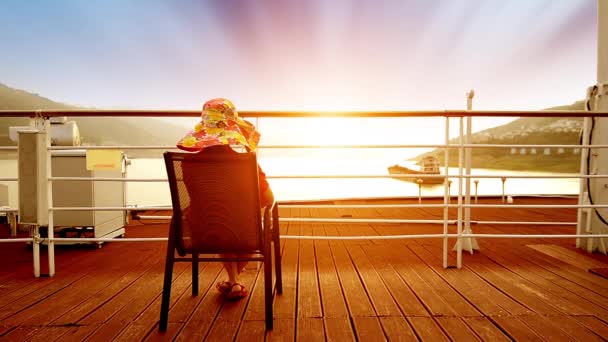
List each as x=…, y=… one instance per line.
x=459, y=145
x=303, y=114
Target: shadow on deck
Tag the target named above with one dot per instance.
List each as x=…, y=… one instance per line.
x=367, y=290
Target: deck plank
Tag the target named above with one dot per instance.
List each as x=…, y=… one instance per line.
x=182, y=306
x=522, y=290
x=223, y=330
x=77, y=333
x=192, y=330
x=250, y=331
x=309, y=298
x=339, y=329
x=283, y=330
x=310, y=329
x=545, y=327
x=427, y=329
x=404, y=296
x=486, y=298
x=397, y=329
x=456, y=329
x=573, y=298
x=357, y=301
x=516, y=329
x=380, y=297
x=117, y=285
x=285, y=304
x=485, y=329
x=368, y=329
x=573, y=328
x=594, y=324
x=440, y=298
x=333, y=302
x=570, y=257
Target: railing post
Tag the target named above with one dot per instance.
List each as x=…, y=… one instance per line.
x=470, y=243
x=446, y=192
x=49, y=189
x=476, y=187
x=583, y=213
x=460, y=166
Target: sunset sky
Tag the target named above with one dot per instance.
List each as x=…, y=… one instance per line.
x=301, y=55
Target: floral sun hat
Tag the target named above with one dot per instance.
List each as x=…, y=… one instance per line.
x=220, y=125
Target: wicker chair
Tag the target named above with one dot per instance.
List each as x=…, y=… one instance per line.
x=216, y=212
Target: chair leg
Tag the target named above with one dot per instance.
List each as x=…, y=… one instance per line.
x=277, y=248
x=268, y=285
x=195, y=274
x=166, y=296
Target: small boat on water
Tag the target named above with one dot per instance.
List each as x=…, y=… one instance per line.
x=429, y=166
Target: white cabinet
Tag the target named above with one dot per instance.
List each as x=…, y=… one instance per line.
x=87, y=193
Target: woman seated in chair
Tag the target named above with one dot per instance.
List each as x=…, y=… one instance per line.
x=219, y=129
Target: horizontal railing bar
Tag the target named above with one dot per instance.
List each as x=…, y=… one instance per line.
x=530, y=206
x=353, y=220
x=9, y=210
x=262, y=147
x=325, y=220
x=108, y=179
x=116, y=147
x=528, y=145
x=359, y=237
x=355, y=206
x=486, y=206
x=539, y=223
x=463, y=236
x=451, y=146
x=8, y=179
x=535, y=236
x=106, y=239
x=117, y=179
x=107, y=208
x=300, y=114
x=17, y=240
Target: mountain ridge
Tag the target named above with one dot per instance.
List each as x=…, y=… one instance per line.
x=106, y=131
x=524, y=131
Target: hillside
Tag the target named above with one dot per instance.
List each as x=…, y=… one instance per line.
x=93, y=131
x=546, y=131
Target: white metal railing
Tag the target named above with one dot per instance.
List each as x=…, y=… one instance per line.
x=463, y=204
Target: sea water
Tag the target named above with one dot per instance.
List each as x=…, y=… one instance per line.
x=330, y=162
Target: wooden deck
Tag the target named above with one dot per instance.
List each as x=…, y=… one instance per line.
x=366, y=290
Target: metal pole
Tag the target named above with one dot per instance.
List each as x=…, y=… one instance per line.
x=49, y=189
x=459, y=224
x=467, y=161
x=446, y=194
x=602, y=41
x=476, y=186
x=35, y=234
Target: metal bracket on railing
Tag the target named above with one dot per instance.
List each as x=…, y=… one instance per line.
x=37, y=239
x=38, y=121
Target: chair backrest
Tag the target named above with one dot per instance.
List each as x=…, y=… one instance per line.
x=216, y=204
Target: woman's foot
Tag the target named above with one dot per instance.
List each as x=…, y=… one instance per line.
x=237, y=291
x=224, y=287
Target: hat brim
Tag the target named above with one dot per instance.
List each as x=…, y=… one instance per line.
x=233, y=132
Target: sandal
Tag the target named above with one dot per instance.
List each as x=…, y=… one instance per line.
x=224, y=287
x=237, y=292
